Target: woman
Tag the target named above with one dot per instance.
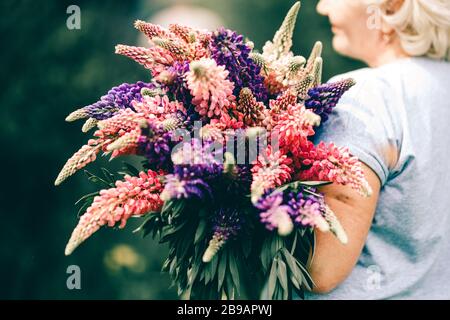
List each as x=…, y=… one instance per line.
x=397, y=121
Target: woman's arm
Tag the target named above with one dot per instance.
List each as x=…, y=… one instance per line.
x=333, y=261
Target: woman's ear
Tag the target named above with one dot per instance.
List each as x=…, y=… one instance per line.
x=392, y=6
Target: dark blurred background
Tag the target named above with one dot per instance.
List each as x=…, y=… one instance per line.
x=47, y=72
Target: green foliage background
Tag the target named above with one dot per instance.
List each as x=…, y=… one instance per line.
x=48, y=71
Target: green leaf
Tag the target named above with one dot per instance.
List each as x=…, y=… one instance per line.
x=230, y=287
x=177, y=209
x=282, y=275
x=213, y=266
x=131, y=169
x=295, y=281
x=109, y=177
x=170, y=230
x=167, y=206
x=291, y=263
x=207, y=272
x=183, y=249
x=246, y=247
x=265, y=255
x=151, y=224
x=234, y=269
x=172, y=265
x=87, y=196
x=201, y=230
x=222, y=269
x=272, y=280
x=305, y=274
x=194, y=272
x=95, y=179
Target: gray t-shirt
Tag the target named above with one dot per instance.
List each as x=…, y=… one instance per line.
x=400, y=111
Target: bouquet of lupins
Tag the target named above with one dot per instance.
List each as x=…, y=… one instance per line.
x=229, y=171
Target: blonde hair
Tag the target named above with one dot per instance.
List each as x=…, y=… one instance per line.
x=423, y=26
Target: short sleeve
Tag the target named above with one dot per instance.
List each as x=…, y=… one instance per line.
x=362, y=122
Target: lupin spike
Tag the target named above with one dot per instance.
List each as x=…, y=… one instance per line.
x=316, y=52
x=151, y=30
x=170, y=124
x=141, y=55
x=335, y=226
x=283, y=37
x=303, y=86
x=77, y=114
x=80, y=159
x=215, y=244
x=174, y=48
x=296, y=63
x=317, y=72
x=129, y=139
x=150, y=92
x=89, y=124
x=258, y=58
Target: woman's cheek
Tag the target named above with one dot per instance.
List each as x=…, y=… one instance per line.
x=341, y=43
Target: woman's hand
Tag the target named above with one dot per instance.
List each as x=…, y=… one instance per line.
x=333, y=261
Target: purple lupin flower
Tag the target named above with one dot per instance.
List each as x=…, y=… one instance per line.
x=274, y=214
x=177, y=86
x=307, y=210
x=200, y=157
x=226, y=226
x=183, y=186
x=323, y=99
x=195, y=165
x=117, y=98
x=155, y=144
x=228, y=49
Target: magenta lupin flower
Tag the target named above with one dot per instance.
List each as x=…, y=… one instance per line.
x=271, y=170
x=294, y=125
x=327, y=162
x=135, y=196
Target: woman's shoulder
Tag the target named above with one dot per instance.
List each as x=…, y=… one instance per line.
x=401, y=78
x=370, y=90
x=368, y=79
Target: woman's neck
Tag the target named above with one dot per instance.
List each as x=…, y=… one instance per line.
x=386, y=55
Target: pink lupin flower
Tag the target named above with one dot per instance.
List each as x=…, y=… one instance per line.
x=155, y=59
x=159, y=107
x=126, y=144
x=120, y=133
x=84, y=156
x=152, y=30
x=253, y=111
x=331, y=163
x=135, y=196
x=109, y=131
x=125, y=120
x=270, y=170
x=212, y=92
x=197, y=41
